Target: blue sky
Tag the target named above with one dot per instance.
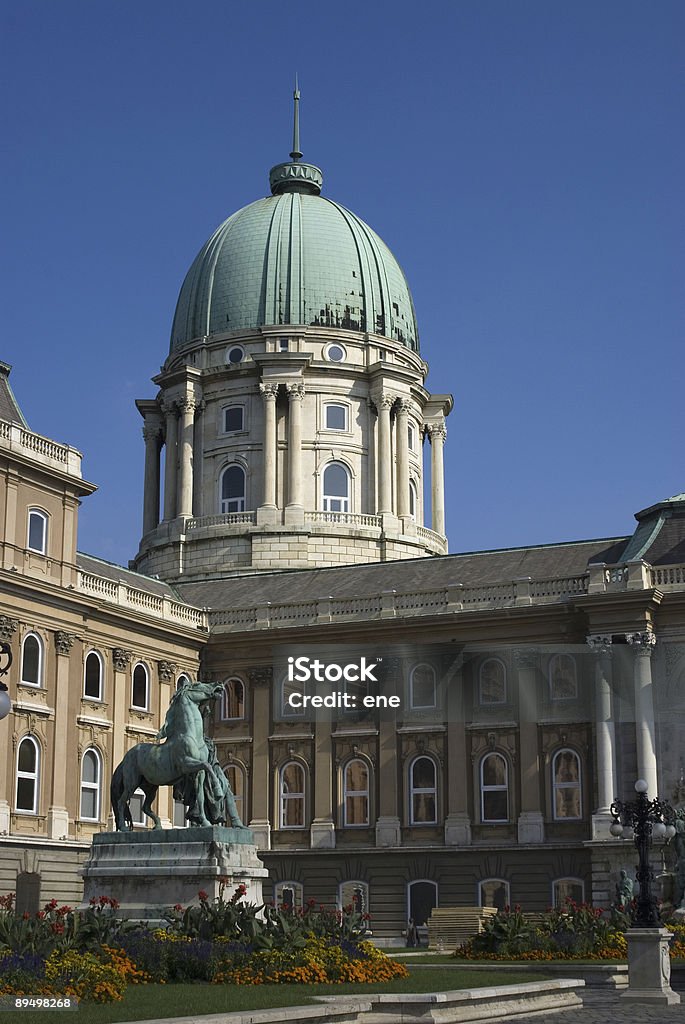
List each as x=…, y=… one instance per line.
x=522, y=158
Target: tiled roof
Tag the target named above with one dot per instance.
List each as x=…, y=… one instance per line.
x=472, y=568
x=9, y=407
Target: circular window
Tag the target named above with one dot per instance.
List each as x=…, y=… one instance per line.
x=336, y=353
x=235, y=354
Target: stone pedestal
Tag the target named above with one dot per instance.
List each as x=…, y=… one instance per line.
x=649, y=967
x=531, y=827
x=388, y=831
x=149, y=872
x=457, y=830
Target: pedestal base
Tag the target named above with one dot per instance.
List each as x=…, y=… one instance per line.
x=457, y=830
x=149, y=872
x=322, y=835
x=531, y=827
x=649, y=967
x=388, y=831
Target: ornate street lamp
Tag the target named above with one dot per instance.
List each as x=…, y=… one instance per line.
x=6, y=658
x=641, y=820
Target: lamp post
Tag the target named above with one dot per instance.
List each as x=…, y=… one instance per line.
x=649, y=965
x=5, y=702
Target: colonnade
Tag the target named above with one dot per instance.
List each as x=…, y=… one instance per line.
x=173, y=427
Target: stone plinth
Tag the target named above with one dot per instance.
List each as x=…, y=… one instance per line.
x=649, y=967
x=148, y=872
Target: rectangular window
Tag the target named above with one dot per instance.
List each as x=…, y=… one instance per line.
x=233, y=419
x=37, y=531
x=336, y=417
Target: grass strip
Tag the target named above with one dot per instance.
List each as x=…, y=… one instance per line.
x=150, y=1002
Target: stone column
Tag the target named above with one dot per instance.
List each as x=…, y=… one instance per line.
x=437, y=433
x=186, y=406
x=166, y=673
x=121, y=699
x=171, y=460
x=8, y=628
x=643, y=645
x=58, y=815
x=260, y=776
x=322, y=829
x=388, y=825
x=269, y=392
x=152, y=432
x=531, y=825
x=11, y=482
x=383, y=403
x=457, y=821
x=294, y=512
x=403, y=408
x=605, y=736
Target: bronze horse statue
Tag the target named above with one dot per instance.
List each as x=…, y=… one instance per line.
x=186, y=760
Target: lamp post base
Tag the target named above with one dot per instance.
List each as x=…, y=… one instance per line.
x=649, y=967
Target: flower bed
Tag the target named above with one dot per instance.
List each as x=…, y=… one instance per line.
x=93, y=955
x=577, y=931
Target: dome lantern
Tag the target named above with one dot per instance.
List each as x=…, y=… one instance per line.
x=296, y=176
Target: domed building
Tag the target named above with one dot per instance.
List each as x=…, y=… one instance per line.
x=292, y=407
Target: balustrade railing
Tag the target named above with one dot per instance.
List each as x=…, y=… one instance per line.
x=133, y=597
x=664, y=576
x=222, y=519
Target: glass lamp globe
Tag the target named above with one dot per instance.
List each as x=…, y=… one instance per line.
x=627, y=832
x=659, y=830
x=640, y=786
x=670, y=831
x=5, y=704
x=616, y=828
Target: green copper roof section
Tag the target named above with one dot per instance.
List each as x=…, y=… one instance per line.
x=295, y=258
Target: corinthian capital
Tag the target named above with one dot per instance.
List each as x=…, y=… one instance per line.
x=168, y=407
x=295, y=391
x=186, y=404
x=64, y=641
x=383, y=400
x=437, y=431
x=403, y=406
x=268, y=391
x=642, y=643
x=598, y=643
x=151, y=431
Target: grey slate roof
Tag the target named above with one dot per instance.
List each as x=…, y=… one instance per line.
x=473, y=568
x=9, y=407
x=112, y=571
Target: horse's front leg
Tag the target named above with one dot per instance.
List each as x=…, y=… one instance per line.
x=200, y=791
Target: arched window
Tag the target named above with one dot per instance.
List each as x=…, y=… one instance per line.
x=37, y=538
x=336, y=417
x=28, y=768
x=289, y=895
x=413, y=500
x=564, y=889
x=235, y=773
x=92, y=676
x=422, y=898
x=494, y=892
x=492, y=682
x=567, y=801
x=356, y=793
x=336, y=488
x=292, y=796
x=354, y=895
x=563, y=680
x=422, y=792
x=233, y=489
x=138, y=815
x=139, y=689
x=183, y=680
x=233, y=699
x=91, y=777
x=32, y=660
x=494, y=788
x=422, y=687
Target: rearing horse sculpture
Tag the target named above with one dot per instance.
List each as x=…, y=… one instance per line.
x=186, y=760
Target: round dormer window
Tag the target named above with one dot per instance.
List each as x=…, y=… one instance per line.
x=335, y=353
x=235, y=354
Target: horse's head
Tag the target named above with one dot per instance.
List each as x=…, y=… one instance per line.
x=201, y=692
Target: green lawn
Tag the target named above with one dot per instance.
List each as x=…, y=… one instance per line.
x=147, y=1002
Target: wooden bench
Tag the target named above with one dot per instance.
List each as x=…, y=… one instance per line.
x=449, y=927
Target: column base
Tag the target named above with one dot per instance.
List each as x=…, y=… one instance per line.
x=457, y=830
x=388, y=831
x=649, y=967
x=322, y=835
x=58, y=822
x=601, y=821
x=294, y=515
x=268, y=515
x=531, y=827
x=261, y=830
x=4, y=818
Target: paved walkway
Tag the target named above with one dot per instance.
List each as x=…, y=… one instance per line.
x=607, y=1008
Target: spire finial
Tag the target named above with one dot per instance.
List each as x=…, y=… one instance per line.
x=296, y=154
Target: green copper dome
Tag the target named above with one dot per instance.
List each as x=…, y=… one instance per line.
x=295, y=258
